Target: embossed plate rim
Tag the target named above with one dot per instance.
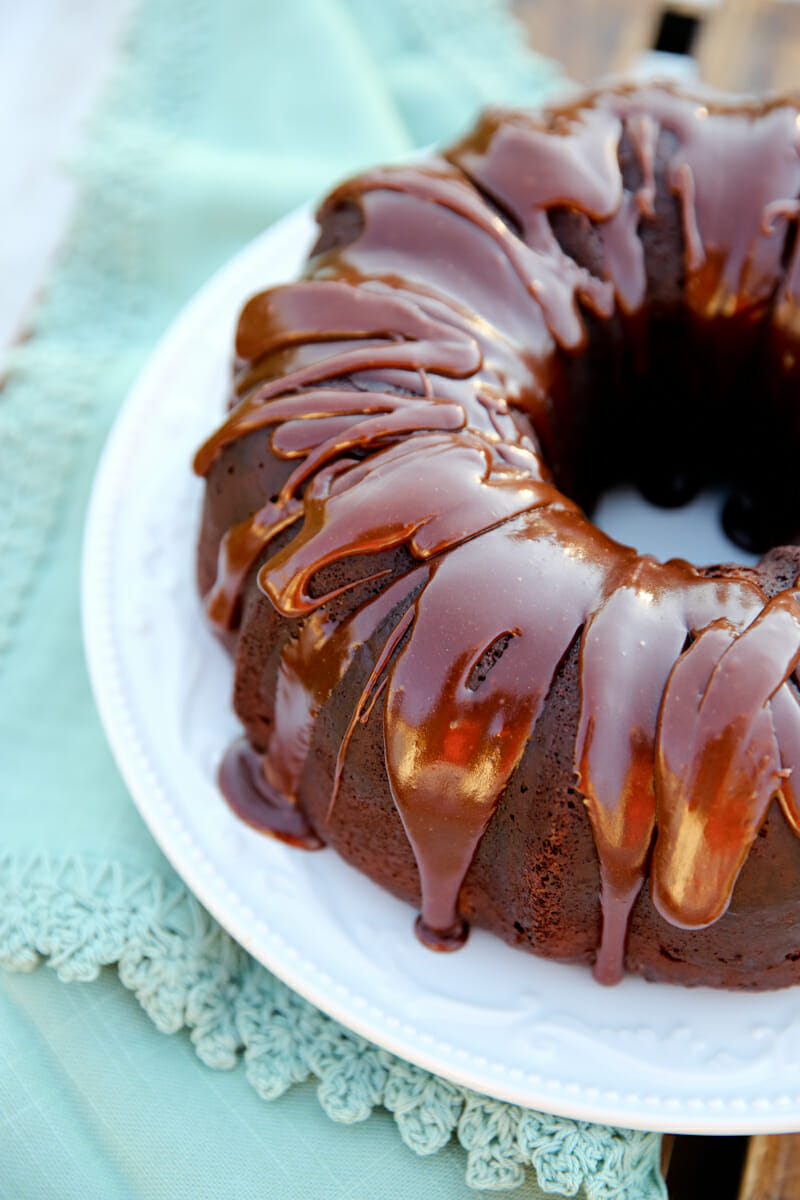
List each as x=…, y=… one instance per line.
x=501, y=1022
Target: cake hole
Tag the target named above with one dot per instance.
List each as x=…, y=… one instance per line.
x=490, y=658
x=789, y=244
x=693, y=532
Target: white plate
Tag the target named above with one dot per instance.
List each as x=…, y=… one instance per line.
x=502, y=1022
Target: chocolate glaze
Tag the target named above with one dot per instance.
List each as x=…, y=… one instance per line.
x=252, y=798
x=418, y=378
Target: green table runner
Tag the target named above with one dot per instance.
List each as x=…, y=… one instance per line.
x=223, y=116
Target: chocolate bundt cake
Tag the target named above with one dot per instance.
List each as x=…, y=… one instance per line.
x=443, y=669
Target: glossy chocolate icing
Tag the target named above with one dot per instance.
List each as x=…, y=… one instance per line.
x=416, y=379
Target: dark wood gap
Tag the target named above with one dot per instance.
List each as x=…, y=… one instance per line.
x=760, y=1167
x=677, y=32
x=705, y=1168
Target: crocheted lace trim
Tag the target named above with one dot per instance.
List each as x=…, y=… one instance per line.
x=187, y=973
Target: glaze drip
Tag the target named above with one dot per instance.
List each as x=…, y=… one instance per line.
x=412, y=378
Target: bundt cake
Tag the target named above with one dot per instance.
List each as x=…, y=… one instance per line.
x=443, y=668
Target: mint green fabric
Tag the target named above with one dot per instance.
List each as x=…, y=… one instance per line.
x=224, y=115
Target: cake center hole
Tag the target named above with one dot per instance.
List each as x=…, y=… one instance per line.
x=693, y=532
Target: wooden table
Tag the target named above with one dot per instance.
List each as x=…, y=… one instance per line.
x=736, y=45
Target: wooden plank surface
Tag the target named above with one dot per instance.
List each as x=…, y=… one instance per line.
x=752, y=46
x=772, y=1168
x=740, y=45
